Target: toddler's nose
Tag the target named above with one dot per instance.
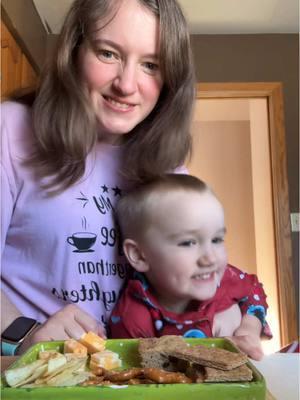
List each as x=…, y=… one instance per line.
x=207, y=257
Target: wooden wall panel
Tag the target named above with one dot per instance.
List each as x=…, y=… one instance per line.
x=16, y=72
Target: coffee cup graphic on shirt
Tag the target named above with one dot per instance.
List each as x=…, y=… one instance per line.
x=83, y=241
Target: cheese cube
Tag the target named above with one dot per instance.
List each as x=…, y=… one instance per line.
x=106, y=359
x=93, y=342
x=72, y=346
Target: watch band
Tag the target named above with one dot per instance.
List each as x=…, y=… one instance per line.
x=9, y=349
x=14, y=335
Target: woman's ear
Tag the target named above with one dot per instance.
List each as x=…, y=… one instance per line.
x=135, y=255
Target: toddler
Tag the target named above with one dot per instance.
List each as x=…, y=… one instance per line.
x=173, y=229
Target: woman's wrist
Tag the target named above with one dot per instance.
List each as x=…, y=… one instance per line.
x=28, y=340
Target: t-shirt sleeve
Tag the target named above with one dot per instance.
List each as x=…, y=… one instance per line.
x=248, y=292
x=6, y=206
x=16, y=145
x=7, y=182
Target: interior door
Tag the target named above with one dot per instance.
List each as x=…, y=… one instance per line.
x=239, y=151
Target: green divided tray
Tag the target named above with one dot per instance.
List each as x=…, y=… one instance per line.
x=127, y=349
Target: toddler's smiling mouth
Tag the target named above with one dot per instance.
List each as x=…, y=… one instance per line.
x=204, y=276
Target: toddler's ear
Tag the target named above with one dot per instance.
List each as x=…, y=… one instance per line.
x=135, y=255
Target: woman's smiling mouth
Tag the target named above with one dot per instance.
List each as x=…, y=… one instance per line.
x=118, y=104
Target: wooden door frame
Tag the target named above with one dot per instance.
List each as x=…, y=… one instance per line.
x=272, y=92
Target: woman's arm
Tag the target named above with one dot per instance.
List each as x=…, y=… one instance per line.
x=69, y=322
x=9, y=311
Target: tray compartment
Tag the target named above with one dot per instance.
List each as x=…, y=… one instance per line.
x=127, y=349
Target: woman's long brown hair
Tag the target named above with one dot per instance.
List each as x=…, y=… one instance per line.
x=65, y=126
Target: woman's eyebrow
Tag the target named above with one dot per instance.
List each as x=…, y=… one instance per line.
x=115, y=45
x=106, y=42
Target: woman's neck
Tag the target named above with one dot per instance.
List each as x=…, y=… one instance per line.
x=111, y=139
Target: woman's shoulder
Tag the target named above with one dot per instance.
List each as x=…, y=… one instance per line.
x=13, y=111
x=16, y=127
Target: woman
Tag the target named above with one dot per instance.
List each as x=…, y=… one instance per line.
x=113, y=109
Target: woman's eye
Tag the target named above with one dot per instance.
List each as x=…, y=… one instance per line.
x=107, y=55
x=150, y=67
x=187, y=243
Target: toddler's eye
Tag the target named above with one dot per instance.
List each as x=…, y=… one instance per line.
x=218, y=240
x=187, y=243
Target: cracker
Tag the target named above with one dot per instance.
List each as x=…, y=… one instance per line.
x=211, y=357
x=239, y=374
x=154, y=352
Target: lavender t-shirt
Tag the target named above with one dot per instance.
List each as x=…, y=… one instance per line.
x=61, y=249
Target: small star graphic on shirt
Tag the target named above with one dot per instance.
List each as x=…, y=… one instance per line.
x=104, y=189
x=117, y=191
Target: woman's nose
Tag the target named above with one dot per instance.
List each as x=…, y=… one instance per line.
x=125, y=81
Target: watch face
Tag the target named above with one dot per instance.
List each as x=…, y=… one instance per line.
x=18, y=329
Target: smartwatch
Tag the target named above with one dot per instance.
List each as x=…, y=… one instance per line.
x=13, y=336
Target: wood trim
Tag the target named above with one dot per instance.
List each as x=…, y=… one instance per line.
x=4, y=43
x=272, y=91
x=5, y=18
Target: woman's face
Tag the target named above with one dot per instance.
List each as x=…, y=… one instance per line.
x=119, y=68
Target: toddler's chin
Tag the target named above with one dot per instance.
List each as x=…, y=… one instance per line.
x=207, y=294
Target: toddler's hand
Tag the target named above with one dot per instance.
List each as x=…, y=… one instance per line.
x=249, y=344
x=247, y=337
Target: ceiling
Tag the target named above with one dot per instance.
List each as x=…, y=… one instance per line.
x=209, y=16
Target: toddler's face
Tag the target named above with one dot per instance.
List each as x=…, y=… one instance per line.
x=184, y=248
